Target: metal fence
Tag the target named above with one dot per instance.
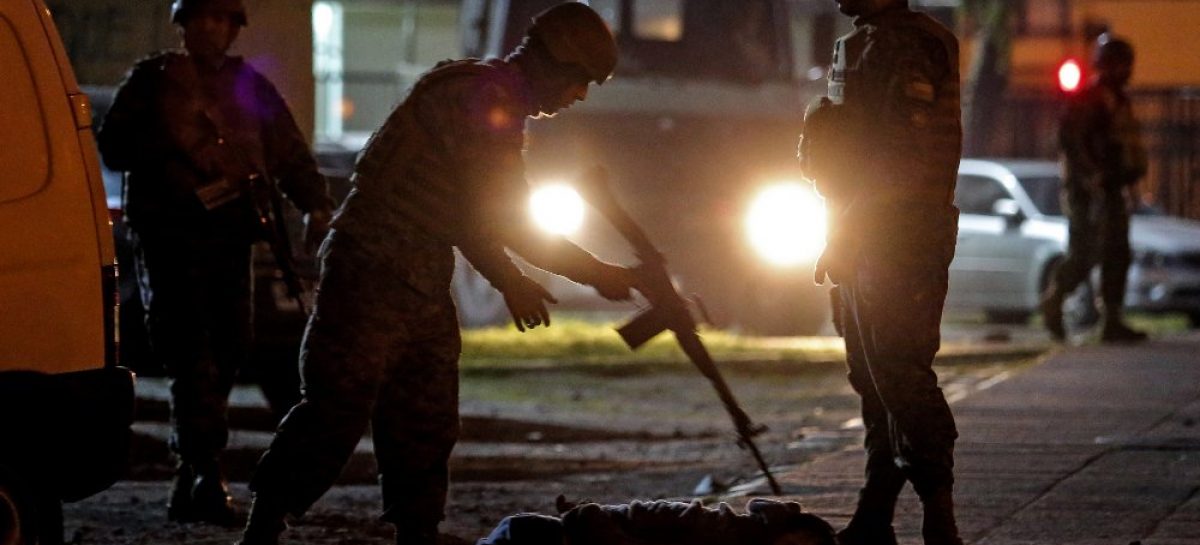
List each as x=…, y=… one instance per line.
x=1170, y=120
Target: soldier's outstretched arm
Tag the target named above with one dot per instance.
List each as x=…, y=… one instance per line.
x=562, y=257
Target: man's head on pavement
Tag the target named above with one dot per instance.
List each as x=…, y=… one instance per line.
x=566, y=48
x=208, y=27
x=786, y=523
x=1113, y=60
x=865, y=8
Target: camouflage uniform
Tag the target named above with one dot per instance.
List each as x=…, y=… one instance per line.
x=665, y=523
x=382, y=346
x=891, y=138
x=175, y=127
x=1100, y=141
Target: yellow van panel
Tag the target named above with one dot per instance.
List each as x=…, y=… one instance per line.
x=24, y=151
x=51, y=241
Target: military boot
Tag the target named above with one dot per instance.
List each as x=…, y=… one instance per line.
x=1115, y=331
x=1052, y=314
x=872, y=520
x=938, y=526
x=179, y=501
x=266, y=522
x=211, y=501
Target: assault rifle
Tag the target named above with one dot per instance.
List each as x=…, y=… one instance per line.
x=269, y=209
x=668, y=310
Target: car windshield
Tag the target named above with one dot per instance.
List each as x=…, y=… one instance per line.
x=1043, y=191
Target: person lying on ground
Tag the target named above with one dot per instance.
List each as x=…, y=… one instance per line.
x=765, y=522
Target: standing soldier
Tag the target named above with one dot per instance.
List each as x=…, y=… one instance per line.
x=1103, y=159
x=202, y=136
x=382, y=346
x=883, y=149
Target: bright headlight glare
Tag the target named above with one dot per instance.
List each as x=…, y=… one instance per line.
x=786, y=224
x=557, y=208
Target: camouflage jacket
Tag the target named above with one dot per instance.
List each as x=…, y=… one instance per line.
x=446, y=170
x=1099, y=136
x=895, y=87
x=174, y=127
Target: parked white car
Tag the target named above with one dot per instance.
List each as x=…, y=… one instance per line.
x=1012, y=233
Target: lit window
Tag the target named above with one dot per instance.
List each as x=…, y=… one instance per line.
x=1043, y=17
x=658, y=20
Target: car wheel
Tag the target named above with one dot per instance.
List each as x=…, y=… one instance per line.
x=17, y=526
x=1006, y=317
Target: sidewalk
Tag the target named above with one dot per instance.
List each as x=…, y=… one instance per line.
x=1097, y=445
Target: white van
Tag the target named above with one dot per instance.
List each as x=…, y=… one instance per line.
x=65, y=407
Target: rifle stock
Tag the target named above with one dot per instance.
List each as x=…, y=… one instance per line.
x=273, y=230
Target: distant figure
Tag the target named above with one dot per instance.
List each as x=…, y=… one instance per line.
x=194, y=129
x=1103, y=158
x=883, y=150
x=765, y=522
x=382, y=346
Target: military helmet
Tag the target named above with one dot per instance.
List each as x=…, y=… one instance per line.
x=182, y=9
x=1111, y=50
x=574, y=34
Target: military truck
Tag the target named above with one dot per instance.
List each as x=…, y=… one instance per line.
x=698, y=128
x=65, y=405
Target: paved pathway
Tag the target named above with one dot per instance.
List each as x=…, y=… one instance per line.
x=1097, y=445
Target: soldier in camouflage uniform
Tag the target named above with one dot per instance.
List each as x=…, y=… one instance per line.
x=191, y=127
x=1103, y=159
x=765, y=522
x=382, y=347
x=883, y=149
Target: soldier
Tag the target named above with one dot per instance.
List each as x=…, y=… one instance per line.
x=883, y=149
x=192, y=128
x=1103, y=159
x=445, y=170
x=765, y=522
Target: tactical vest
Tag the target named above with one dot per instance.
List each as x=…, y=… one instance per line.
x=923, y=156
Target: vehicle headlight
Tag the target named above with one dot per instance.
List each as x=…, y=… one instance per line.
x=786, y=223
x=557, y=208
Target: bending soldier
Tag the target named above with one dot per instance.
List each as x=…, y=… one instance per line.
x=1103, y=159
x=199, y=134
x=883, y=149
x=765, y=522
x=445, y=170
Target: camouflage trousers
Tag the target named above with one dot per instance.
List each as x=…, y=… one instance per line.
x=892, y=315
x=375, y=352
x=1098, y=233
x=197, y=296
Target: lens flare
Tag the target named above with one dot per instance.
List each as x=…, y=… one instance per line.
x=557, y=208
x=786, y=224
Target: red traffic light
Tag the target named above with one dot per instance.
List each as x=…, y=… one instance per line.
x=1070, y=76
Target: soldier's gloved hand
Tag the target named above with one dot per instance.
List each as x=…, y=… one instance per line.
x=526, y=302
x=316, y=226
x=615, y=283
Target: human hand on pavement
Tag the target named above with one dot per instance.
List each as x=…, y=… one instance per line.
x=526, y=302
